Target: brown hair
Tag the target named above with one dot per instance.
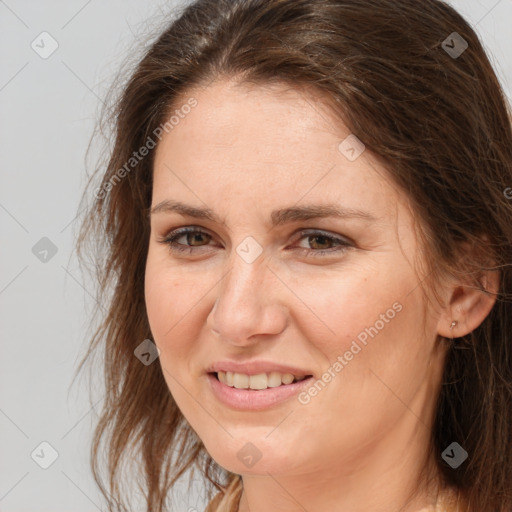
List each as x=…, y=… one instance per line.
x=441, y=126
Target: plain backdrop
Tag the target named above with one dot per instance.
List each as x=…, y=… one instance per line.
x=49, y=106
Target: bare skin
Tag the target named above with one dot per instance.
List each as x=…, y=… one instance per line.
x=361, y=443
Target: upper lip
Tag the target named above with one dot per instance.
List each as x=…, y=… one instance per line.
x=255, y=368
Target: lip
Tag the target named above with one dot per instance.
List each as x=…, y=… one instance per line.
x=256, y=367
x=254, y=400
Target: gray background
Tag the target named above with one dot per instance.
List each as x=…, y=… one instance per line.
x=48, y=109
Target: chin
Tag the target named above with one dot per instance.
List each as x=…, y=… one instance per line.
x=256, y=457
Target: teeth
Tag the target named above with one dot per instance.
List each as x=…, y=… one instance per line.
x=260, y=381
x=241, y=381
x=274, y=380
x=287, y=378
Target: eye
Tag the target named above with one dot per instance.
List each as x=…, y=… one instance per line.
x=191, y=235
x=195, y=238
x=335, y=244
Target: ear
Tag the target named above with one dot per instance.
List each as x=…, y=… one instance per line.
x=467, y=304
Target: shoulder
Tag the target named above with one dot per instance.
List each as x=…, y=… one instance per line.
x=228, y=499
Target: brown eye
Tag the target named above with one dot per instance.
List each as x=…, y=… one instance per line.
x=322, y=240
x=321, y=243
x=193, y=237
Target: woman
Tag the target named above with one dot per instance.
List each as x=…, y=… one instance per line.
x=307, y=243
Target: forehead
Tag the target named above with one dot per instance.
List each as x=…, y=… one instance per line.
x=270, y=114
x=257, y=144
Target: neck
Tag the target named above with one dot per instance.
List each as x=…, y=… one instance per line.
x=389, y=476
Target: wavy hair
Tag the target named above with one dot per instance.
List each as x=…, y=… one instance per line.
x=439, y=123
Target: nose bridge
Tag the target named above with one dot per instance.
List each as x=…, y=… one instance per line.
x=245, y=304
x=241, y=288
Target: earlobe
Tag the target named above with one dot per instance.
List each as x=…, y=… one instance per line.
x=468, y=306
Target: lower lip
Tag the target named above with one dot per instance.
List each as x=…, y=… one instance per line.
x=254, y=399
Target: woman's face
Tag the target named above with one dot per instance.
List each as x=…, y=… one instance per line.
x=252, y=287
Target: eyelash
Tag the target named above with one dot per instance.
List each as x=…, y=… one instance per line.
x=344, y=244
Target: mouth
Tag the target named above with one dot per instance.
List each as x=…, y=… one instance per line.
x=258, y=382
x=257, y=392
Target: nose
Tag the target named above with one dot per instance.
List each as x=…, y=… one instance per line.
x=248, y=304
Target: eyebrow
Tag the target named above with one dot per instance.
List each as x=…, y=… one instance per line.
x=278, y=217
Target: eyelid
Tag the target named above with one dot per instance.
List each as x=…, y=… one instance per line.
x=301, y=231
x=178, y=232
x=343, y=242
x=322, y=232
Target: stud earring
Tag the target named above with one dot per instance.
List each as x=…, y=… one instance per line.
x=453, y=324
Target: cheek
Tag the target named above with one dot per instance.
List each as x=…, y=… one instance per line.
x=172, y=304
x=161, y=303
x=365, y=325
x=339, y=308
x=169, y=292
x=373, y=364
x=171, y=301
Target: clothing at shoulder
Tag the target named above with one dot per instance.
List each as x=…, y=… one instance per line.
x=447, y=502
x=227, y=500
